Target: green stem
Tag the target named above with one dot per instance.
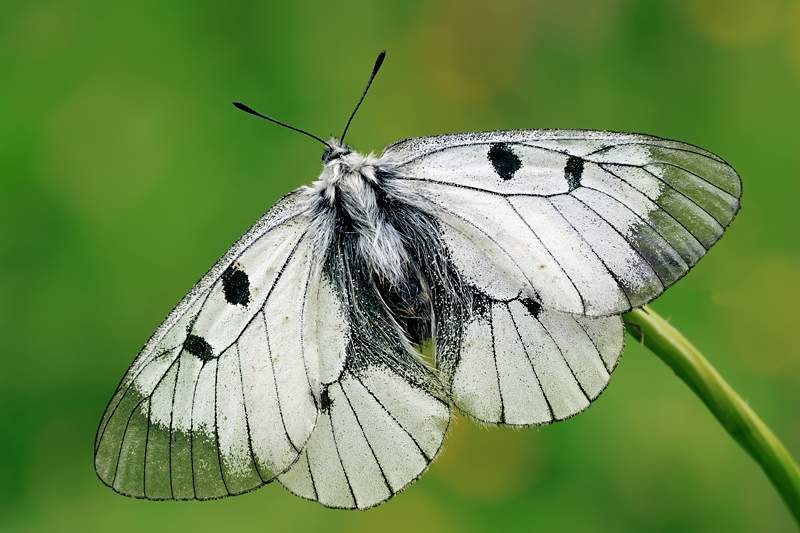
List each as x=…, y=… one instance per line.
x=735, y=415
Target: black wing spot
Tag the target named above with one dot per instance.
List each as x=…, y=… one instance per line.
x=236, y=286
x=198, y=347
x=504, y=160
x=573, y=172
x=325, y=401
x=532, y=306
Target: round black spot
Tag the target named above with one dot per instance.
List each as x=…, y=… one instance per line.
x=532, y=306
x=236, y=286
x=505, y=162
x=573, y=172
x=198, y=347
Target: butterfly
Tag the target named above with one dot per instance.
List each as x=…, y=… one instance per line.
x=296, y=357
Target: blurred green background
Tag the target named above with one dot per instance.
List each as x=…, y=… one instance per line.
x=125, y=173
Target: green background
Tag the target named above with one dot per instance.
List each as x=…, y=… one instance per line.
x=125, y=173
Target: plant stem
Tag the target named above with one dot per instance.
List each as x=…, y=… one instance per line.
x=735, y=415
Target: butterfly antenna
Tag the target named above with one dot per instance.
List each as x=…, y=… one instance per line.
x=378, y=63
x=252, y=111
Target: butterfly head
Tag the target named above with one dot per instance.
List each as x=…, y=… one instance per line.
x=336, y=150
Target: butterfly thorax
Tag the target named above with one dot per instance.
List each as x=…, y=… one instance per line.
x=353, y=197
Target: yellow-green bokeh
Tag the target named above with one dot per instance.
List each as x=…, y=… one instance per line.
x=125, y=173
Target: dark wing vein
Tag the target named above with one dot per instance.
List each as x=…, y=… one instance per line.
x=530, y=360
x=266, y=299
x=722, y=192
x=580, y=295
x=531, y=144
x=597, y=348
x=496, y=368
x=247, y=417
x=102, y=430
x=661, y=209
x=191, y=430
x=216, y=429
x=602, y=262
x=704, y=153
x=369, y=445
x=275, y=382
x=569, y=366
x=341, y=463
x=421, y=451
x=691, y=201
x=146, y=443
x=303, y=353
x=499, y=246
x=311, y=477
x=633, y=247
x=124, y=436
x=644, y=222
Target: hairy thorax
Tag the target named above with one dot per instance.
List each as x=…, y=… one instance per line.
x=358, y=199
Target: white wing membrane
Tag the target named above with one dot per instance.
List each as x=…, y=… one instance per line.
x=520, y=368
x=584, y=222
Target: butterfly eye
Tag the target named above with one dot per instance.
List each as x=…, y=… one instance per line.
x=325, y=155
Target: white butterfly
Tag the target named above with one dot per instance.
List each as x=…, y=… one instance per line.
x=294, y=358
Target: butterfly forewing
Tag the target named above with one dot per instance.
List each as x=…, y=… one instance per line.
x=210, y=407
x=584, y=222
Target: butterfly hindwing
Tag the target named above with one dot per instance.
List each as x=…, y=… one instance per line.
x=383, y=414
x=225, y=394
x=377, y=434
x=584, y=222
x=521, y=364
